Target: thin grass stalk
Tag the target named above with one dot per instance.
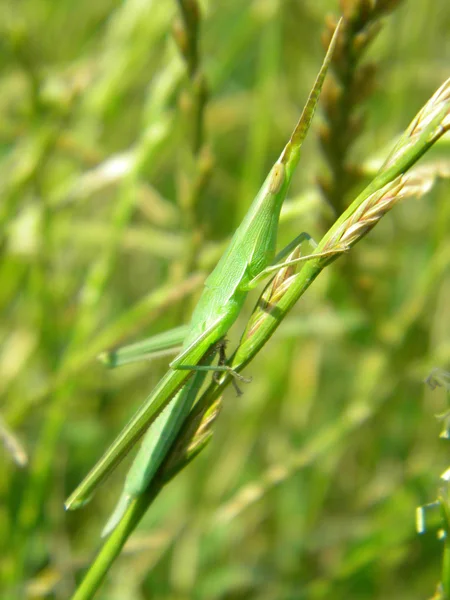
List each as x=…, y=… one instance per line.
x=115, y=543
x=389, y=186
x=194, y=160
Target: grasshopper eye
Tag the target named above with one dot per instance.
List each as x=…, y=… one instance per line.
x=277, y=178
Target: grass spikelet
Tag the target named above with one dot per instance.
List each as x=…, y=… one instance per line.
x=352, y=82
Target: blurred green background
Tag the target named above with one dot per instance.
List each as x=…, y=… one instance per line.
x=309, y=487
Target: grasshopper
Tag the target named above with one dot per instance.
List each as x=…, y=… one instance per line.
x=249, y=259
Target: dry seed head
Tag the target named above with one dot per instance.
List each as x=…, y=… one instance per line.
x=431, y=108
x=196, y=435
x=208, y=419
x=272, y=294
x=425, y=116
x=204, y=429
x=415, y=183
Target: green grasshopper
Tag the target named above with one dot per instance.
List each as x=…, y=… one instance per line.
x=248, y=260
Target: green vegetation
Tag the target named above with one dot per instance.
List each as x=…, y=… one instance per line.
x=127, y=161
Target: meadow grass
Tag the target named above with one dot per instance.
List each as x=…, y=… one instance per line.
x=123, y=173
